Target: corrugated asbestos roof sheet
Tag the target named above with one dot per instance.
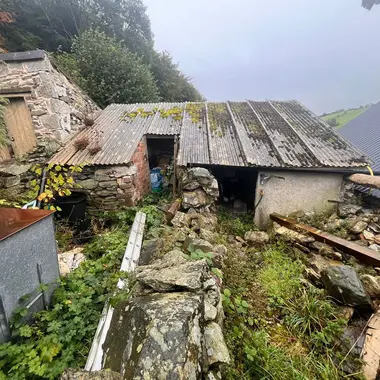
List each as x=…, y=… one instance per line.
x=278, y=134
x=364, y=132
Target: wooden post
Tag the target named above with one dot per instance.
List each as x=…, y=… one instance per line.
x=364, y=254
x=175, y=166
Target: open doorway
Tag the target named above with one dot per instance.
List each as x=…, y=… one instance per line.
x=237, y=187
x=161, y=150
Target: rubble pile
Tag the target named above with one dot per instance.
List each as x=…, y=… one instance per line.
x=199, y=188
x=171, y=325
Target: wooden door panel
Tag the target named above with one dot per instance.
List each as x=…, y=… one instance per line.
x=20, y=127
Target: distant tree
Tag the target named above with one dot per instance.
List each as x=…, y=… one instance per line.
x=53, y=25
x=173, y=85
x=368, y=4
x=332, y=122
x=108, y=71
x=47, y=24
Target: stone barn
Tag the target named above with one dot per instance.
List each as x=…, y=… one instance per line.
x=44, y=109
x=268, y=156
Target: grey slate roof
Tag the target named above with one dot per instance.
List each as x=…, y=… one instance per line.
x=364, y=132
x=277, y=134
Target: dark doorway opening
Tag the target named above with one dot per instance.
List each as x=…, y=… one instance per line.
x=161, y=150
x=237, y=187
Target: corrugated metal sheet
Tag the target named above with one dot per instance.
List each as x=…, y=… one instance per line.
x=364, y=132
x=262, y=134
x=322, y=141
x=224, y=145
x=194, y=134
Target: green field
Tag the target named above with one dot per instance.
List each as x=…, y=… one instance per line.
x=343, y=117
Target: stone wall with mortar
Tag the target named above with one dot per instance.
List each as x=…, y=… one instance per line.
x=298, y=191
x=57, y=106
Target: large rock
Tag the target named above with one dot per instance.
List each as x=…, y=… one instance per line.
x=75, y=374
x=216, y=349
x=196, y=199
x=70, y=260
x=371, y=285
x=256, y=237
x=156, y=337
x=180, y=220
x=293, y=236
x=343, y=284
x=188, y=275
x=195, y=243
x=345, y=210
x=359, y=227
x=200, y=175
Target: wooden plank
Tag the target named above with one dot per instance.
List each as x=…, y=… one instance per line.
x=365, y=180
x=371, y=348
x=361, y=253
x=20, y=126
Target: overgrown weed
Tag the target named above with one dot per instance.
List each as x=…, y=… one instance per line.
x=290, y=329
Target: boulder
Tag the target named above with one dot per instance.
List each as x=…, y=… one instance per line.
x=195, y=243
x=371, y=285
x=149, y=251
x=75, y=374
x=256, y=237
x=196, y=199
x=343, y=284
x=293, y=236
x=369, y=235
x=180, y=220
x=345, y=312
x=70, y=260
x=213, y=189
x=219, y=252
x=207, y=235
x=359, y=227
x=157, y=336
x=345, y=210
x=200, y=175
x=216, y=349
x=319, y=263
x=375, y=228
x=188, y=276
x=210, y=312
x=374, y=247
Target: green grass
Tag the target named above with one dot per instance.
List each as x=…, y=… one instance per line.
x=343, y=117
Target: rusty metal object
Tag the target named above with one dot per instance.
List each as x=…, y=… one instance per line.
x=361, y=253
x=13, y=220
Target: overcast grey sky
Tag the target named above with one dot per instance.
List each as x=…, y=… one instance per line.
x=324, y=53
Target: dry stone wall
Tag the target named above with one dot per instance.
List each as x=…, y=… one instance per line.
x=58, y=107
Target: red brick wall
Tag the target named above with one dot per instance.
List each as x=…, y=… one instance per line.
x=142, y=178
